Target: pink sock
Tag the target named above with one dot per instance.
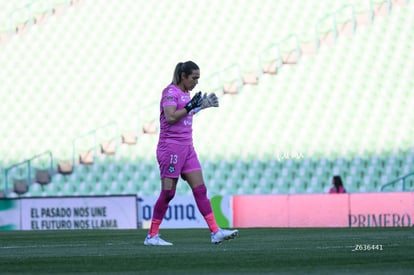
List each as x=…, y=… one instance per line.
x=204, y=205
x=155, y=227
x=211, y=222
x=160, y=209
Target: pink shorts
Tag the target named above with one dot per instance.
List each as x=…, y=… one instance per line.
x=175, y=159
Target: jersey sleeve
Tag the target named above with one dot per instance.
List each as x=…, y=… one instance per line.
x=170, y=98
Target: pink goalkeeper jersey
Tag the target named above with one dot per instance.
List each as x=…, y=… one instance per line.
x=180, y=132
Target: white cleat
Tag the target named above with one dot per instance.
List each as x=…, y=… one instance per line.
x=223, y=235
x=156, y=240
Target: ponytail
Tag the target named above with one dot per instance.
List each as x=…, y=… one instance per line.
x=177, y=73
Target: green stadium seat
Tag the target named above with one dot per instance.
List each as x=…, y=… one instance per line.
x=35, y=190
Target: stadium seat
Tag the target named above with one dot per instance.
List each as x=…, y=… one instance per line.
x=35, y=190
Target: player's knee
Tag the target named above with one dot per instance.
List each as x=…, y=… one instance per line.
x=169, y=195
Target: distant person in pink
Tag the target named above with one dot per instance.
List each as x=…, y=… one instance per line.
x=338, y=186
x=176, y=154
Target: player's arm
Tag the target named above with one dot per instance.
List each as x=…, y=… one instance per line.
x=172, y=115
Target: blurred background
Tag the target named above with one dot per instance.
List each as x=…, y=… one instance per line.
x=308, y=90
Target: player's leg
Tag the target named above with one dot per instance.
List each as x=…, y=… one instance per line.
x=196, y=182
x=160, y=208
x=170, y=164
x=193, y=175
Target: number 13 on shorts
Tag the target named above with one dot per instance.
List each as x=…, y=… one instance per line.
x=173, y=159
x=173, y=162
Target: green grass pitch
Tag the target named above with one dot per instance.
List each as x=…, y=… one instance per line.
x=256, y=250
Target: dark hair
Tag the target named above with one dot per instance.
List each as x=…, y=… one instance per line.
x=183, y=67
x=337, y=181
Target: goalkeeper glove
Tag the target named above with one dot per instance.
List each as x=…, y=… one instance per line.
x=210, y=100
x=195, y=102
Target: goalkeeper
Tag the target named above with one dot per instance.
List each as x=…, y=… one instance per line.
x=175, y=152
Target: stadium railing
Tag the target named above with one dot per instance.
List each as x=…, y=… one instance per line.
x=43, y=175
x=394, y=183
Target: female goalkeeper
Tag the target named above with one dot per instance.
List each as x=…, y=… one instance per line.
x=175, y=152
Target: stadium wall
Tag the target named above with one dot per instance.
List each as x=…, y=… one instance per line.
x=325, y=210
x=182, y=212
x=106, y=212
x=129, y=212
x=67, y=213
